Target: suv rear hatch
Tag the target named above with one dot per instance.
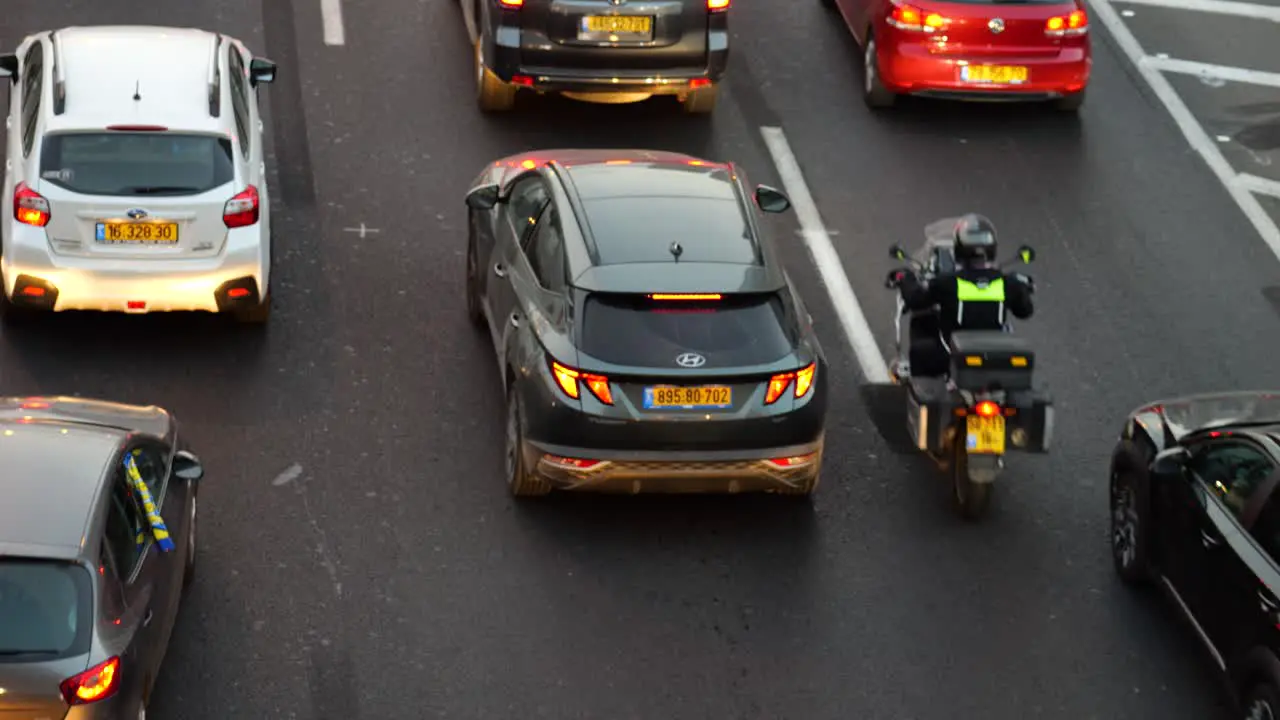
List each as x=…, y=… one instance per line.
x=598, y=35
x=125, y=195
x=1026, y=28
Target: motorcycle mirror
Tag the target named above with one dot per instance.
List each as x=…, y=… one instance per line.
x=897, y=253
x=891, y=280
x=1026, y=254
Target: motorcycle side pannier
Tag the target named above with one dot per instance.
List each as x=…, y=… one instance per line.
x=930, y=409
x=1030, y=429
x=989, y=359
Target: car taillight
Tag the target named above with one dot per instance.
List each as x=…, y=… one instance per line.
x=986, y=408
x=572, y=463
x=1075, y=23
x=685, y=296
x=913, y=19
x=97, y=683
x=242, y=210
x=570, y=381
x=783, y=463
x=29, y=206
x=778, y=384
x=717, y=5
x=511, y=4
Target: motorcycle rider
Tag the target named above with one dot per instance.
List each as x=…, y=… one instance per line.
x=972, y=297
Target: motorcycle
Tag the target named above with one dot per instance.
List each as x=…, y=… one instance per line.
x=984, y=405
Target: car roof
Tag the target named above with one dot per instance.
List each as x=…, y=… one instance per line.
x=169, y=68
x=50, y=473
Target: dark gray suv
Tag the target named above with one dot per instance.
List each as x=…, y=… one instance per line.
x=609, y=51
x=648, y=337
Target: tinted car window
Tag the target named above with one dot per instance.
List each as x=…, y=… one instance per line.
x=1266, y=529
x=128, y=164
x=546, y=253
x=44, y=610
x=1233, y=471
x=630, y=330
x=126, y=527
x=641, y=229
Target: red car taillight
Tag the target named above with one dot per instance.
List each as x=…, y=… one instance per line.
x=29, y=206
x=570, y=381
x=1074, y=24
x=511, y=4
x=243, y=209
x=913, y=19
x=778, y=384
x=97, y=683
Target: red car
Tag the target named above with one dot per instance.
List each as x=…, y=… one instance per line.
x=973, y=50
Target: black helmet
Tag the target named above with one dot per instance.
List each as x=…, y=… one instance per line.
x=975, y=239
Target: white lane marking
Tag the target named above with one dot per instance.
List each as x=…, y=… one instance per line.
x=1218, y=7
x=825, y=257
x=1191, y=130
x=331, y=16
x=1260, y=185
x=1220, y=72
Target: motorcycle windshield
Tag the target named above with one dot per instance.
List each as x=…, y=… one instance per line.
x=939, y=233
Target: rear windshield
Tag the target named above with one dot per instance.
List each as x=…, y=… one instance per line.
x=641, y=229
x=735, y=331
x=44, y=610
x=136, y=163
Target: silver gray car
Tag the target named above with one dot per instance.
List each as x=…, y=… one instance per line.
x=97, y=542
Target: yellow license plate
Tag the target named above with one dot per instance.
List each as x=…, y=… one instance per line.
x=994, y=74
x=713, y=396
x=613, y=24
x=986, y=435
x=148, y=233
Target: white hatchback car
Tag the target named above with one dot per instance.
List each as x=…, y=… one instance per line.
x=136, y=179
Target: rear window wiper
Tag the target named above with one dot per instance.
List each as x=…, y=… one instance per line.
x=158, y=189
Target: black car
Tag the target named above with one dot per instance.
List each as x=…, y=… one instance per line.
x=611, y=51
x=647, y=335
x=1194, y=510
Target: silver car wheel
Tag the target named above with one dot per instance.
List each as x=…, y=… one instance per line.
x=142, y=712
x=1124, y=525
x=1260, y=710
x=513, y=442
x=191, y=534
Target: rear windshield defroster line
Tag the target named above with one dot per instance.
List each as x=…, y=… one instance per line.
x=734, y=331
x=45, y=610
x=147, y=164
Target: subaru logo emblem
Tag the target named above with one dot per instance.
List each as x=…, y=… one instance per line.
x=690, y=360
x=996, y=26
x=136, y=213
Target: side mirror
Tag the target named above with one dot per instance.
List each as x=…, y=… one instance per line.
x=891, y=280
x=9, y=67
x=261, y=71
x=897, y=253
x=483, y=197
x=187, y=466
x=1169, y=463
x=771, y=200
x=1027, y=254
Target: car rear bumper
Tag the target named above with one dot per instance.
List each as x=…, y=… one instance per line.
x=912, y=69
x=236, y=277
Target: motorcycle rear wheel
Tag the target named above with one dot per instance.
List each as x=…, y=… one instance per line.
x=969, y=498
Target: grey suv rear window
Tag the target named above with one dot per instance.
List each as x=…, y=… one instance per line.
x=136, y=163
x=734, y=331
x=45, y=610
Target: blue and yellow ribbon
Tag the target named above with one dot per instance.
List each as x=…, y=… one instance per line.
x=158, y=529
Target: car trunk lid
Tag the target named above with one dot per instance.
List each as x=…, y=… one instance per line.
x=1002, y=29
x=600, y=35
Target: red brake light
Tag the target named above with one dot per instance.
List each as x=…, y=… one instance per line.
x=29, y=206
x=717, y=5
x=571, y=463
x=35, y=405
x=242, y=210
x=568, y=379
x=685, y=296
x=986, y=408
x=511, y=4
x=779, y=383
x=793, y=461
x=97, y=683
x=913, y=19
x=1073, y=24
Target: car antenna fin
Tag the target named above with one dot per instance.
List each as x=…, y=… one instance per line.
x=137, y=90
x=676, y=250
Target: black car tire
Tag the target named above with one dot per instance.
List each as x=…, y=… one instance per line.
x=1262, y=703
x=259, y=314
x=874, y=93
x=10, y=313
x=1130, y=510
x=1069, y=103
x=828, y=3
x=492, y=95
x=520, y=481
x=474, y=312
x=970, y=499
x=702, y=101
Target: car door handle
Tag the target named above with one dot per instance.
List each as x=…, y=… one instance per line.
x=499, y=270
x=515, y=320
x=1267, y=603
x=1208, y=540
x=146, y=619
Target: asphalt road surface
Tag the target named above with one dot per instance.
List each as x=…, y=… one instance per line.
x=361, y=558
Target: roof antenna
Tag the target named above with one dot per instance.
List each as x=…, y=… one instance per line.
x=676, y=250
x=137, y=90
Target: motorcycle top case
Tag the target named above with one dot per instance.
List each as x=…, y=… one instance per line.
x=990, y=359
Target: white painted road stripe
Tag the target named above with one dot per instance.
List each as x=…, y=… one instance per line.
x=826, y=259
x=331, y=16
x=1261, y=185
x=1221, y=72
x=1195, y=135
x=1219, y=7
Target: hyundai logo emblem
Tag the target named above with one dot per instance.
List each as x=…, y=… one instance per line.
x=996, y=26
x=136, y=213
x=690, y=360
